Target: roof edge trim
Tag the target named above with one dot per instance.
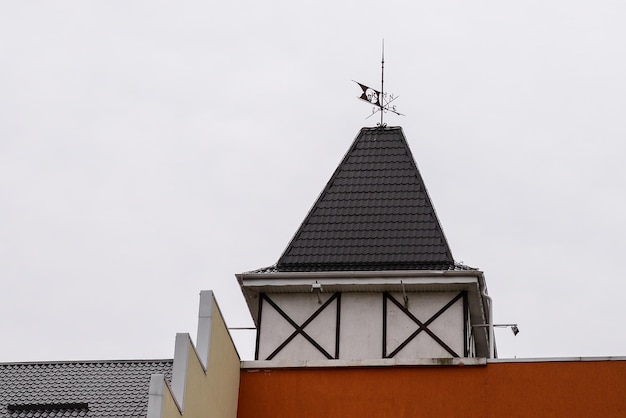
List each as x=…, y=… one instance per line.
x=358, y=274
x=389, y=362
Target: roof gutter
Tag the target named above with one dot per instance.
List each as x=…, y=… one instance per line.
x=492, y=346
x=358, y=274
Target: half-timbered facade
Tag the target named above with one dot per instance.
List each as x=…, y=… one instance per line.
x=369, y=274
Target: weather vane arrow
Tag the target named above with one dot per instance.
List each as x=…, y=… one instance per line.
x=381, y=100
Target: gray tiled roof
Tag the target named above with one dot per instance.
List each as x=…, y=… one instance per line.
x=374, y=214
x=110, y=388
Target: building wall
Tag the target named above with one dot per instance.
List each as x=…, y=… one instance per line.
x=222, y=377
x=361, y=323
x=208, y=383
x=500, y=389
x=212, y=394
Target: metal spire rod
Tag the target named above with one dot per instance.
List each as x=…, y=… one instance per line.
x=379, y=99
x=382, y=83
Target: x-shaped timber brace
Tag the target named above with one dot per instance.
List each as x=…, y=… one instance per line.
x=299, y=329
x=423, y=326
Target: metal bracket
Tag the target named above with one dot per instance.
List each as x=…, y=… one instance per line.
x=405, y=298
x=317, y=289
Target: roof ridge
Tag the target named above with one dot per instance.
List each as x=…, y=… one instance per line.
x=19, y=363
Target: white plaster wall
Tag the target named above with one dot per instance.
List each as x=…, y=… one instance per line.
x=448, y=326
x=361, y=326
x=299, y=307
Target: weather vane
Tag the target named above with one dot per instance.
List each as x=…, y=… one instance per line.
x=381, y=100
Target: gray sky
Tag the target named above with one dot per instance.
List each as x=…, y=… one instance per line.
x=150, y=150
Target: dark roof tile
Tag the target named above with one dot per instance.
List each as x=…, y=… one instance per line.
x=374, y=214
x=110, y=388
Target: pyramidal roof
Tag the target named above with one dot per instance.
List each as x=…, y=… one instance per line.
x=374, y=214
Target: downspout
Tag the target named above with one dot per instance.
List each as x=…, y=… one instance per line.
x=492, y=346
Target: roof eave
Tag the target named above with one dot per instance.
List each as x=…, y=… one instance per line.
x=472, y=281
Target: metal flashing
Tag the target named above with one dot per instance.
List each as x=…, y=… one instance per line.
x=156, y=392
x=555, y=359
x=179, y=369
x=205, y=312
x=359, y=274
x=388, y=362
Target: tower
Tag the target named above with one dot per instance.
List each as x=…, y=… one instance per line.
x=369, y=274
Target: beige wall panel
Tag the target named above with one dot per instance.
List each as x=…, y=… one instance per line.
x=213, y=394
x=170, y=409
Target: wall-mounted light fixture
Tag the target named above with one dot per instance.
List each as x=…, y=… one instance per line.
x=513, y=327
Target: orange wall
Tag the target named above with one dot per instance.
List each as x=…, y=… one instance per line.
x=545, y=389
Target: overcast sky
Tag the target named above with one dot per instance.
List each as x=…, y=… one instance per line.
x=153, y=149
